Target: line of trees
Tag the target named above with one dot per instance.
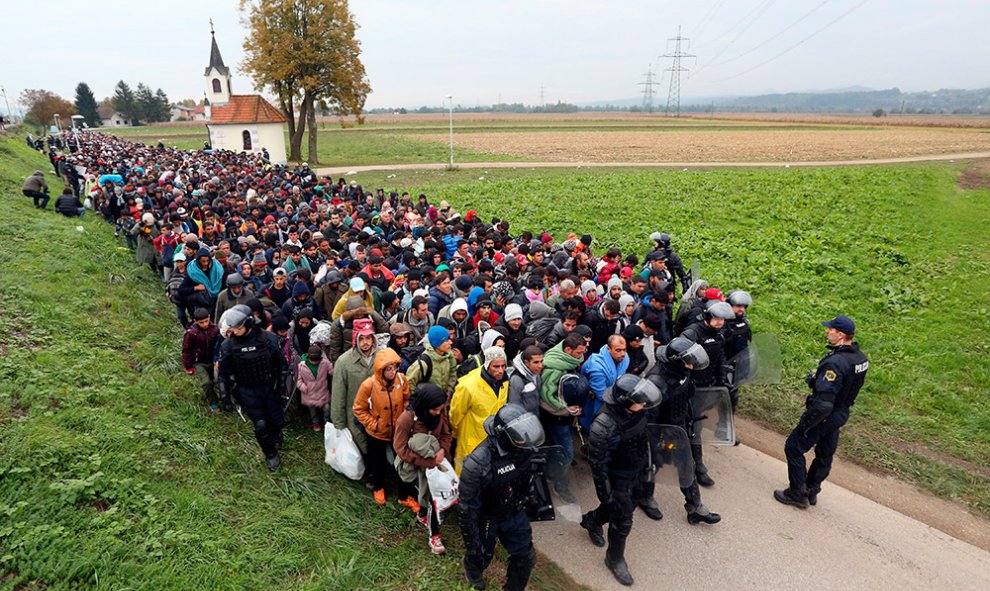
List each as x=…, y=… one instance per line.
x=141, y=104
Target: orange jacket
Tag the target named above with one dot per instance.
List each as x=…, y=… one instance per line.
x=376, y=407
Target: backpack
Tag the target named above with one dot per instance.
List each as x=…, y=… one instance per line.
x=417, y=354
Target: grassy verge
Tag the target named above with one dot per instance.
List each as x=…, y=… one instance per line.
x=900, y=249
x=112, y=474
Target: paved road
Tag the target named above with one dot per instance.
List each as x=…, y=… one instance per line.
x=847, y=542
x=338, y=170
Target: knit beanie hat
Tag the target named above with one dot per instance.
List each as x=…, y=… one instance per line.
x=437, y=336
x=513, y=312
x=492, y=353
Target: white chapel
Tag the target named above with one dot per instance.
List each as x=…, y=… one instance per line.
x=240, y=122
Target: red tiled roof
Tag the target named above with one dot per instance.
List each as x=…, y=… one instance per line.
x=246, y=108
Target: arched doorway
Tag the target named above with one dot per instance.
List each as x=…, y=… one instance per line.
x=246, y=136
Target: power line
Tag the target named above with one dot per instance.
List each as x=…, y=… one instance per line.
x=796, y=45
x=775, y=36
x=748, y=16
x=755, y=17
x=674, y=92
x=648, y=90
x=706, y=20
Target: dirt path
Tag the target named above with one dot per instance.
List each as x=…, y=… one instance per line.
x=867, y=532
x=338, y=170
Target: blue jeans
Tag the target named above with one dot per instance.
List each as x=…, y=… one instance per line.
x=824, y=437
x=559, y=460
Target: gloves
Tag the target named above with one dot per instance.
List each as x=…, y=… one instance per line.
x=817, y=411
x=810, y=379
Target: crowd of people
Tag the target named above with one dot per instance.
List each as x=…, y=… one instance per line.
x=427, y=333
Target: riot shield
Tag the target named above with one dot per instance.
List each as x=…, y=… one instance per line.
x=539, y=504
x=669, y=446
x=760, y=363
x=712, y=408
x=695, y=271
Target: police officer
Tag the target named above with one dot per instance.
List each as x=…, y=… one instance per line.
x=619, y=453
x=677, y=364
x=250, y=358
x=738, y=335
x=674, y=263
x=834, y=387
x=707, y=332
x=495, y=482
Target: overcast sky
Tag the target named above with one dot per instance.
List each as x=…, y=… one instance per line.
x=480, y=51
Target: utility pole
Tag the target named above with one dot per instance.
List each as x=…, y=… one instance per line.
x=542, y=96
x=10, y=115
x=648, y=90
x=674, y=93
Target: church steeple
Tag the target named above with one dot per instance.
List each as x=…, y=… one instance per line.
x=217, y=74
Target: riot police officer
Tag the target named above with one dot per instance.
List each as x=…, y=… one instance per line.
x=251, y=360
x=619, y=454
x=738, y=335
x=677, y=364
x=495, y=483
x=707, y=332
x=674, y=264
x=834, y=387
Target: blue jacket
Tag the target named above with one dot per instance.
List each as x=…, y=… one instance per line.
x=601, y=371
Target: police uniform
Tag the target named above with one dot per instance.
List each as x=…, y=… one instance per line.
x=835, y=385
x=254, y=362
x=495, y=482
x=737, y=334
x=713, y=341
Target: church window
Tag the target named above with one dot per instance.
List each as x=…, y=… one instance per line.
x=247, y=139
x=216, y=85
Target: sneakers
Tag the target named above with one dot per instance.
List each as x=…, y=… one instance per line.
x=423, y=520
x=408, y=502
x=791, y=497
x=436, y=545
x=214, y=407
x=380, y=496
x=316, y=427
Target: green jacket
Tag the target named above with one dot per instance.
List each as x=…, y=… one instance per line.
x=444, y=370
x=555, y=364
x=350, y=370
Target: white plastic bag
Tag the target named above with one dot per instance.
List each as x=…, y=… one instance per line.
x=343, y=454
x=444, y=485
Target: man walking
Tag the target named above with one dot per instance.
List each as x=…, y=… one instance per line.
x=834, y=387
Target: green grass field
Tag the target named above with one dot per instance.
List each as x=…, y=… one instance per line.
x=113, y=475
x=900, y=249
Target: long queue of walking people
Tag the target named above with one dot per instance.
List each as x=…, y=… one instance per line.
x=431, y=335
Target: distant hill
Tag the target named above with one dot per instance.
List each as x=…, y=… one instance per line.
x=853, y=99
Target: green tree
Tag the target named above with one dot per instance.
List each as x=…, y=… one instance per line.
x=125, y=103
x=147, y=108
x=86, y=105
x=305, y=51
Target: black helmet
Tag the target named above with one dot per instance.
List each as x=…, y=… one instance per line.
x=717, y=309
x=740, y=298
x=513, y=426
x=573, y=389
x=687, y=352
x=630, y=389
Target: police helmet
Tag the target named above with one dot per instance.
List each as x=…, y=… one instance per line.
x=236, y=317
x=683, y=350
x=740, y=298
x=630, y=389
x=513, y=426
x=573, y=389
x=716, y=309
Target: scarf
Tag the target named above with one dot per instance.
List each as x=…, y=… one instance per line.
x=213, y=283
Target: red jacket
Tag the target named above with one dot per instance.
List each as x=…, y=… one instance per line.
x=198, y=345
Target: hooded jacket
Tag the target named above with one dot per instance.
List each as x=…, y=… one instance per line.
x=601, y=371
x=378, y=405
x=474, y=401
x=524, y=386
x=438, y=300
x=541, y=322
x=35, y=182
x=314, y=390
x=341, y=304
x=555, y=364
x=342, y=329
